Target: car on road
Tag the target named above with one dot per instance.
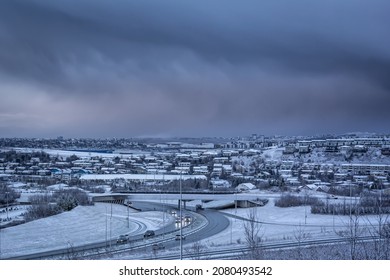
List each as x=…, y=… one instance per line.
x=149, y=233
x=158, y=246
x=122, y=239
x=178, y=237
x=198, y=207
x=187, y=218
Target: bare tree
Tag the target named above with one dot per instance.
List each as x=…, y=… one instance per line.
x=353, y=231
x=253, y=234
x=300, y=235
x=385, y=234
x=379, y=232
x=196, y=250
x=71, y=253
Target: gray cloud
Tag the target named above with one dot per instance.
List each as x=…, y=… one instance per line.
x=129, y=68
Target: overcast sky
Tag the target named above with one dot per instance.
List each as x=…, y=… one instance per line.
x=103, y=68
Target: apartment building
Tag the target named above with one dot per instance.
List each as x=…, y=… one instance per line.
x=366, y=169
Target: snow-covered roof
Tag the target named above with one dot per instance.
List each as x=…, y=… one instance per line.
x=17, y=185
x=246, y=186
x=145, y=177
x=310, y=187
x=57, y=187
x=220, y=183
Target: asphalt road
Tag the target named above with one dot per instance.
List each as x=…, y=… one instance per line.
x=215, y=222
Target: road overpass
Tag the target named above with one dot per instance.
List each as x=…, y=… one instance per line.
x=243, y=199
x=185, y=196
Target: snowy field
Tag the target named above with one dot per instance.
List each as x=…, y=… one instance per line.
x=279, y=224
x=82, y=225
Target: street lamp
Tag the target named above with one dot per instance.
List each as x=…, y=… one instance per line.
x=181, y=221
x=6, y=197
x=333, y=215
x=235, y=215
x=163, y=211
x=305, y=206
x=128, y=216
x=111, y=226
x=0, y=240
x=106, y=227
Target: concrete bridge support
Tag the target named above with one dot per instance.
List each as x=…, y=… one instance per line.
x=184, y=204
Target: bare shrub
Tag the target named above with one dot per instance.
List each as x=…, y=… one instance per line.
x=41, y=206
x=289, y=200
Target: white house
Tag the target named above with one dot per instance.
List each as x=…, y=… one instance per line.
x=245, y=187
x=220, y=184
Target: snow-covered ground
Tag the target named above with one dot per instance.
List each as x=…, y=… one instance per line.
x=277, y=224
x=84, y=224
x=273, y=153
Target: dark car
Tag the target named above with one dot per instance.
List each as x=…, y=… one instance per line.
x=187, y=218
x=149, y=233
x=158, y=246
x=122, y=239
x=198, y=207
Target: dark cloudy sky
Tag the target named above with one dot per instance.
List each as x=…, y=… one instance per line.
x=104, y=68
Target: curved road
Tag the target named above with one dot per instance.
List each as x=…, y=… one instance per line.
x=216, y=222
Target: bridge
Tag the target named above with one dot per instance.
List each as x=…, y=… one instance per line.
x=242, y=199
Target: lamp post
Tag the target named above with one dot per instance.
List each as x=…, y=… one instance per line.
x=305, y=206
x=333, y=215
x=235, y=215
x=128, y=216
x=181, y=221
x=106, y=226
x=231, y=232
x=350, y=206
x=111, y=226
x=0, y=237
x=6, y=197
x=163, y=211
